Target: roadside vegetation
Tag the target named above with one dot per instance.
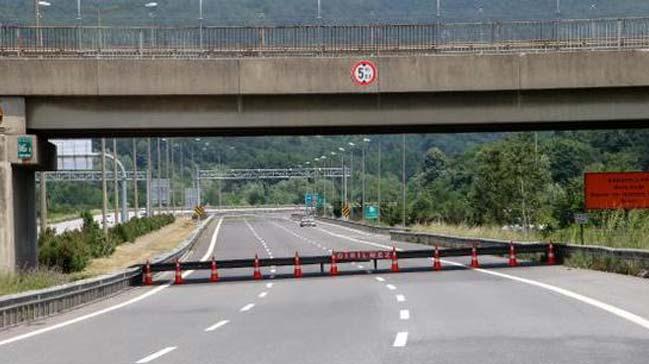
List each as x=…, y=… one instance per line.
x=71, y=251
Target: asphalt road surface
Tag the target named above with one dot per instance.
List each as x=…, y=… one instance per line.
x=529, y=314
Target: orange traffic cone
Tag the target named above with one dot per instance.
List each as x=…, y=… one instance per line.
x=551, y=260
x=257, y=273
x=148, y=276
x=512, y=255
x=297, y=269
x=214, y=274
x=474, y=257
x=333, y=270
x=179, y=274
x=395, y=261
x=437, y=263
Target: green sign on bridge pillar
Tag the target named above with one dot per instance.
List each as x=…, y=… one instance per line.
x=25, y=149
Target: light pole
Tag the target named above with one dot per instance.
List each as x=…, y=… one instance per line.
x=104, y=187
x=403, y=177
x=152, y=6
x=379, y=186
x=333, y=178
x=365, y=141
x=323, y=159
x=200, y=19
x=319, y=16
x=116, y=203
x=343, y=190
x=135, y=201
x=149, y=173
x=351, y=178
x=39, y=15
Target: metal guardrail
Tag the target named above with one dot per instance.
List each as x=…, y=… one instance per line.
x=197, y=42
x=30, y=306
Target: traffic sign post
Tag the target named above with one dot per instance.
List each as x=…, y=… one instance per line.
x=581, y=220
x=371, y=212
x=364, y=73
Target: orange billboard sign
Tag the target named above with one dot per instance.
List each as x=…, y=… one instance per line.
x=617, y=190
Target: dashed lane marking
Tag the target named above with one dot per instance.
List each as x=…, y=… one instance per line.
x=156, y=355
x=404, y=315
x=247, y=307
x=269, y=285
x=390, y=287
x=262, y=294
x=380, y=279
x=400, y=298
x=217, y=325
x=401, y=339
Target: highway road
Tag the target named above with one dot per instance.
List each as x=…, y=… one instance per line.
x=529, y=314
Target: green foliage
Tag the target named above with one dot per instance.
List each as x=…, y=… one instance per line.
x=30, y=279
x=72, y=250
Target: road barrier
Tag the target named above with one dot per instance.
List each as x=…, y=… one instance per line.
x=374, y=229
x=336, y=258
x=29, y=306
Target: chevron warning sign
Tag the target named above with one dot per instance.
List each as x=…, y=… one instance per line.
x=346, y=211
x=199, y=212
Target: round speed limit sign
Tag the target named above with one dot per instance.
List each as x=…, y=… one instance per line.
x=364, y=73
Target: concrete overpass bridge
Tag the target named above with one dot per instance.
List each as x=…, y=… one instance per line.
x=69, y=82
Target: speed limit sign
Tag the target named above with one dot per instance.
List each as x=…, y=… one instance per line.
x=364, y=73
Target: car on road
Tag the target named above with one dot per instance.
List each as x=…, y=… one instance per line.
x=307, y=221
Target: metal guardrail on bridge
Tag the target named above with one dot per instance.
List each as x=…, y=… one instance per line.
x=218, y=41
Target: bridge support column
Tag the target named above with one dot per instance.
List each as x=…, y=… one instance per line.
x=20, y=156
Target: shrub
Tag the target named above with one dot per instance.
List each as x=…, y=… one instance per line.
x=72, y=250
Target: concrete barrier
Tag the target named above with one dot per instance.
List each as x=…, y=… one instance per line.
x=33, y=305
x=385, y=230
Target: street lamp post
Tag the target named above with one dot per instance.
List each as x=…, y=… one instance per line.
x=365, y=141
x=152, y=6
x=379, y=186
x=39, y=15
x=343, y=190
x=319, y=16
x=403, y=177
x=351, y=180
x=200, y=18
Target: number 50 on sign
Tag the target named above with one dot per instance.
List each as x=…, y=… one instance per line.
x=364, y=73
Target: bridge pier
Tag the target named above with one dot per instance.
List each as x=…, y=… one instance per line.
x=18, y=234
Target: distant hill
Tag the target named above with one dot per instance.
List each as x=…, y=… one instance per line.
x=249, y=12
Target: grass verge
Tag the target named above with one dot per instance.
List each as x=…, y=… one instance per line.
x=34, y=279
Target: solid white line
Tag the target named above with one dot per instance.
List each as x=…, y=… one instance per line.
x=247, y=307
x=217, y=325
x=562, y=291
x=380, y=279
x=210, y=249
x=400, y=298
x=156, y=355
x=401, y=339
x=107, y=309
x=262, y=294
x=404, y=315
x=358, y=240
x=269, y=285
x=390, y=287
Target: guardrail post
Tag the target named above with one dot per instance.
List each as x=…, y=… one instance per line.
x=619, y=33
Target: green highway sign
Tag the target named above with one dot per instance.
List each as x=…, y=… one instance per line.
x=371, y=212
x=321, y=201
x=25, y=150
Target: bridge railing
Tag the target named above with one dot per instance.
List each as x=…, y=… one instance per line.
x=603, y=33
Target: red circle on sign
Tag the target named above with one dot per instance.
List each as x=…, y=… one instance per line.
x=364, y=73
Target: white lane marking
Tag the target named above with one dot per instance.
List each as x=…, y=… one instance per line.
x=210, y=249
x=391, y=287
x=269, y=285
x=247, y=307
x=360, y=266
x=400, y=298
x=641, y=321
x=404, y=314
x=107, y=309
x=357, y=240
x=156, y=355
x=562, y=291
x=217, y=325
x=259, y=238
x=349, y=229
x=273, y=270
x=380, y=279
x=262, y=294
x=401, y=339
